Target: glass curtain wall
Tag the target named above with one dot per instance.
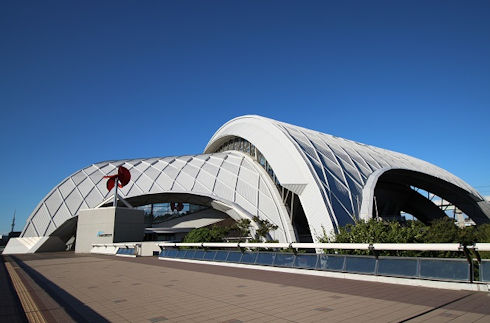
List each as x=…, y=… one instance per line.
x=161, y=212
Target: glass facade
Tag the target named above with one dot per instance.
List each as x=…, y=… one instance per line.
x=161, y=212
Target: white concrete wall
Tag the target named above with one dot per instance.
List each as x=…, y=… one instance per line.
x=104, y=249
x=21, y=245
x=148, y=247
x=108, y=225
x=34, y=244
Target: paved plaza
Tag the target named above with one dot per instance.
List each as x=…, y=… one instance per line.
x=94, y=288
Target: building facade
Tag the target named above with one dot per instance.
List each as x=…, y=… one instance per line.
x=305, y=182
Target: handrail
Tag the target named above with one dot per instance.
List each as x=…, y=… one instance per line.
x=331, y=245
x=221, y=244
x=482, y=246
x=418, y=246
x=263, y=245
x=347, y=246
x=118, y=244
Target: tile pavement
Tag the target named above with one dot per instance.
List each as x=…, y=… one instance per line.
x=150, y=290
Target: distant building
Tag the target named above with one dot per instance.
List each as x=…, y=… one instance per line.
x=6, y=237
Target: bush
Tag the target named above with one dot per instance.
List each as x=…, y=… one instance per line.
x=213, y=234
x=439, y=231
x=483, y=233
x=243, y=228
x=374, y=231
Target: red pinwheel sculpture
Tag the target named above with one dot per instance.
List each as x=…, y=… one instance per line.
x=122, y=177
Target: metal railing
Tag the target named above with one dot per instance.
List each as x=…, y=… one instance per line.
x=447, y=269
x=332, y=246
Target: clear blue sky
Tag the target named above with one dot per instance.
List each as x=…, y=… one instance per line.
x=86, y=81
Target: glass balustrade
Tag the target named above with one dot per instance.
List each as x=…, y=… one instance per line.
x=426, y=268
x=485, y=271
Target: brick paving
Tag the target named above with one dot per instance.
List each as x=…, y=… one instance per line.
x=99, y=288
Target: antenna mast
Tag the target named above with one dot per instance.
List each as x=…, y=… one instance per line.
x=13, y=222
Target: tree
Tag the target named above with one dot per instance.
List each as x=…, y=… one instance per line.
x=243, y=227
x=483, y=233
x=264, y=227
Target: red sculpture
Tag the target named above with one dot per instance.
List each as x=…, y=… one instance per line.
x=122, y=177
x=174, y=206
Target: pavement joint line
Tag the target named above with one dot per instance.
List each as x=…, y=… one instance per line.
x=30, y=307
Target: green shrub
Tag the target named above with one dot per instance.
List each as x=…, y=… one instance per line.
x=439, y=231
x=264, y=227
x=213, y=234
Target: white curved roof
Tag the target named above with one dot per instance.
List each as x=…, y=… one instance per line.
x=334, y=178
x=231, y=178
x=330, y=174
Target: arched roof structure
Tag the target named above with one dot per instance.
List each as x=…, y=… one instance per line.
x=250, y=166
x=335, y=178
x=232, y=180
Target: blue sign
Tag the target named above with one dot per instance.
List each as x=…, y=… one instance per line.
x=102, y=234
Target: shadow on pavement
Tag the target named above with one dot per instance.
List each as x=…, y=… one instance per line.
x=78, y=311
x=10, y=307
